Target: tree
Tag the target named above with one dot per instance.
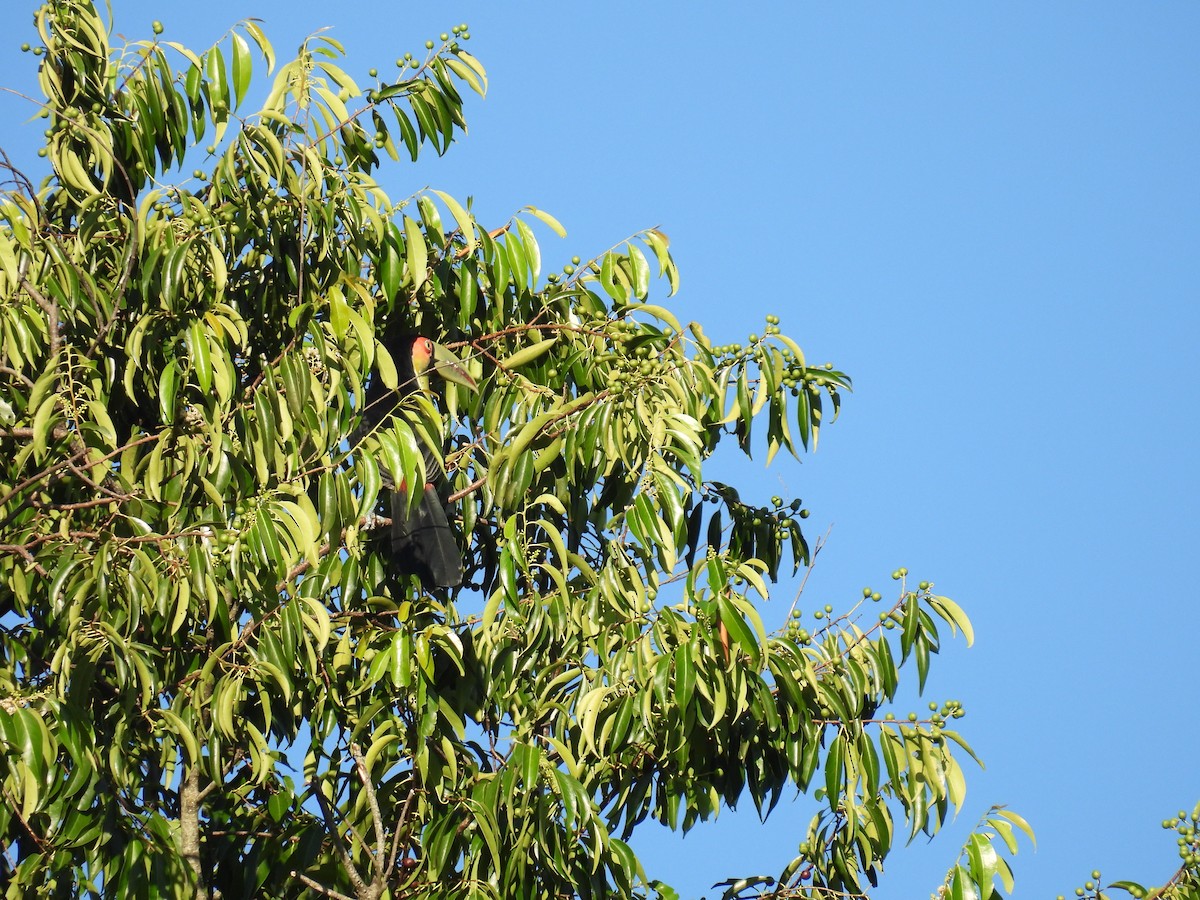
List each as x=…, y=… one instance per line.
x=198, y=593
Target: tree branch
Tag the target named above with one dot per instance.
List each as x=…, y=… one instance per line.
x=318, y=887
x=360, y=885
x=50, y=308
x=380, y=859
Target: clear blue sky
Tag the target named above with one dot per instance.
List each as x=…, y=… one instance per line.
x=989, y=215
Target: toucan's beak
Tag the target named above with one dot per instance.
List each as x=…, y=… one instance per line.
x=450, y=367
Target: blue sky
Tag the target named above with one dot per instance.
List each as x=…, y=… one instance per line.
x=989, y=215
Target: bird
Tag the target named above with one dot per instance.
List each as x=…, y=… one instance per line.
x=422, y=543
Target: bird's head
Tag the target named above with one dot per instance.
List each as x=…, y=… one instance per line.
x=428, y=357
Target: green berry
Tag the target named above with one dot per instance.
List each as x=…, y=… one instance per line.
x=429, y=45
x=372, y=72
x=443, y=37
x=156, y=26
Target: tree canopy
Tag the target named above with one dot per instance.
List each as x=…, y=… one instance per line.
x=216, y=679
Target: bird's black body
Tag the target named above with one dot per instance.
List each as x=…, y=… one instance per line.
x=422, y=541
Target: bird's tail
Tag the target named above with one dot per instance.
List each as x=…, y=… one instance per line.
x=423, y=542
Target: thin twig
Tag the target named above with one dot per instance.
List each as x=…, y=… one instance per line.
x=46, y=473
x=380, y=858
x=318, y=887
x=360, y=886
x=401, y=821
x=812, y=562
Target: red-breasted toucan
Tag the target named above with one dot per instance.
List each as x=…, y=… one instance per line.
x=422, y=541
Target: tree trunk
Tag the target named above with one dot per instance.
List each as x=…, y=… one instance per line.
x=189, y=821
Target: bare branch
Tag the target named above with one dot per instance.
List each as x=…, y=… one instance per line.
x=356, y=879
x=50, y=308
x=380, y=858
x=318, y=887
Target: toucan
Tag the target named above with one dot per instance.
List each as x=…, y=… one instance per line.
x=422, y=542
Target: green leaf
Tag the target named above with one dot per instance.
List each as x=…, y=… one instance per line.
x=197, y=340
x=465, y=222
x=264, y=45
x=641, y=271
x=741, y=633
x=242, y=67
x=685, y=676
x=218, y=83
x=984, y=861
x=416, y=253
x=1020, y=823
x=835, y=766
x=1130, y=887
x=548, y=219
x=531, y=353
x=953, y=614
x=181, y=730
x=961, y=887
x=531, y=251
